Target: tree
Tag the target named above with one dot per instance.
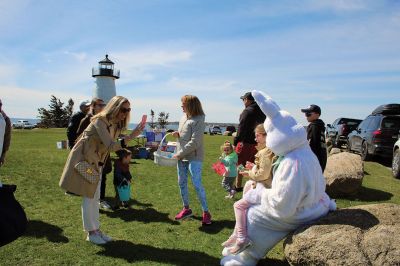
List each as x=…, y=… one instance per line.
x=57, y=115
x=152, y=124
x=163, y=119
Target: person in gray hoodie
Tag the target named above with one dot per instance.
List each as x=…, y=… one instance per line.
x=190, y=155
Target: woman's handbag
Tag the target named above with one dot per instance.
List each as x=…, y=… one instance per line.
x=87, y=171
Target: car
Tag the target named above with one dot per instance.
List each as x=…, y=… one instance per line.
x=396, y=159
x=340, y=129
x=231, y=129
x=377, y=133
x=23, y=124
x=215, y=130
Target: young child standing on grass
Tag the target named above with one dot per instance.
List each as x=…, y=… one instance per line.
x=229, y=158
x=122, y=175
x=260, y=174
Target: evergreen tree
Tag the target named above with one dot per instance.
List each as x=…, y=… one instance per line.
x=57, y=115
x=152, y=124
x=163, y=119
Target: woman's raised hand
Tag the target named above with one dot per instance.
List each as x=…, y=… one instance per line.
x=139, y=128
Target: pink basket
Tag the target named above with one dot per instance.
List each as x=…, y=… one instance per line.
x=219, y=168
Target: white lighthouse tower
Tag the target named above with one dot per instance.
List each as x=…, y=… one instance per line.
x=105, y=75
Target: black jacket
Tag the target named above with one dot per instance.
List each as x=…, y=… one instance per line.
x=316, y=138
x=73, y=126
x=249, y=119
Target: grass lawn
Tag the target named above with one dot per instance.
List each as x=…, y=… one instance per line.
x=146, y=234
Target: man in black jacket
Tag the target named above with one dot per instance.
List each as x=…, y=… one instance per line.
x=245, y=139
x=316, y=133
x=74, y=122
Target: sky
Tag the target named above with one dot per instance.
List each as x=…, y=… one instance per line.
x=342, y=55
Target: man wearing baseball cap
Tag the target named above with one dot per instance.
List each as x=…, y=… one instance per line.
x=316, y=133
x=245, y=139
x=74, y=122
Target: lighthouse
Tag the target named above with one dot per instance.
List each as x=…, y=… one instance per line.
x=105, y=76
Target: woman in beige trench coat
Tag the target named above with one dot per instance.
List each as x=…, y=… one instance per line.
x=98, y=139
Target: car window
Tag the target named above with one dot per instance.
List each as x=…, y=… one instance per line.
x=364, y=124
x=391, y=123
x=374, y=122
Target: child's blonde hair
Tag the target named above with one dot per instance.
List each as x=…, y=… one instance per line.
x=260, y=129
x=227, y=144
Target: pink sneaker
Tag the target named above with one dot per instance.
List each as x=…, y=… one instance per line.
x=230, y=242
x=206, y=218
x=184, y=213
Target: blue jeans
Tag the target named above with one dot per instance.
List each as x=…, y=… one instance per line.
x=194, y=167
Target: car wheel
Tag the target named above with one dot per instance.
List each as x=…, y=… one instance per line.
x=365, y=156
x=396, y=164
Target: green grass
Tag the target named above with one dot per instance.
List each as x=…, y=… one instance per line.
x=146, y=234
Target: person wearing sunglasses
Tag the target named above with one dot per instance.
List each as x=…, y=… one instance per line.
x=316, y=133
x=101, y=137
x=96, y=106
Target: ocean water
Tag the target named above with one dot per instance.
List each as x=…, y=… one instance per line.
x=172, y=126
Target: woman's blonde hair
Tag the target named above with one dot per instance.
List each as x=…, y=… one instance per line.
x=112, y=110
x=227, y=144
x=192, y=105
x=260, y=129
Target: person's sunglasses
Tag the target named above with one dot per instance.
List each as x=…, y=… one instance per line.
x=100, y=104
x=125, y=110
x=308, y=114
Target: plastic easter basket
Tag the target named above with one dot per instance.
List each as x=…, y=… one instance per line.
x=164, y=158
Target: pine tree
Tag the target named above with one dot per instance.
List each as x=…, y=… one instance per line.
x=163, y=119
x=57, y=115
x=152, y=124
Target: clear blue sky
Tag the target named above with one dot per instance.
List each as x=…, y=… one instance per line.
x=343, y=55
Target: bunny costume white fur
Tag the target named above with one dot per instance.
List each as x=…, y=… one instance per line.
x=297, y=195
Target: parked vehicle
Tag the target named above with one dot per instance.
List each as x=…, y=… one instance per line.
x=396, y=159
x=215, y=130
x=231, y=128
x=377, y=133
x=340, y=129
x=23, y=124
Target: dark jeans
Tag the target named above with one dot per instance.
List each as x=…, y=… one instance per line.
x=103, y=186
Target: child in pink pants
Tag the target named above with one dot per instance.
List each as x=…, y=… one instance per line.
x=260, y=175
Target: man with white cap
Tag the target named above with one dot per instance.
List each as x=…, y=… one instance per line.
x=74, y=122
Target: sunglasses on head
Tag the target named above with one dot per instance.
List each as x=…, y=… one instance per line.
x=125, y=110
x=100, y=104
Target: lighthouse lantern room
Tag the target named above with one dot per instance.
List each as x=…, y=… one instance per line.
x=105, y=76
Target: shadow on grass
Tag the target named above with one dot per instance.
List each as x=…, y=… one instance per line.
x=148, y=215
x=274, y=262
x=369, y=194
x=137, y=252
x=132, y=202
x=216, y=226
x=40, y=229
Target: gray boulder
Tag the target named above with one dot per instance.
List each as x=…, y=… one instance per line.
x=344, y=174
x=361, y=235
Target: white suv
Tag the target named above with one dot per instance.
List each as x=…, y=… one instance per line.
x=24, y=124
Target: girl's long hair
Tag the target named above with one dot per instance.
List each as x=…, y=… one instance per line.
x=192, y=105
x=112, y=109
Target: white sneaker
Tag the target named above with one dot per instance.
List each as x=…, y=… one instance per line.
x=96, y=239
x=105, y=237
x=104, y=205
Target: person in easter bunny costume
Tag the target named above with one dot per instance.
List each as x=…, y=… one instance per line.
x=297, y=195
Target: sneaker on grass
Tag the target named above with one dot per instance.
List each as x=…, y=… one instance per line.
x=206, y=218
x=184, y=213
x=104, y=205
x=96, y=239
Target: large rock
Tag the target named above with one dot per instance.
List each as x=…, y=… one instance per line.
x=361, y=235
x=344, y=174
